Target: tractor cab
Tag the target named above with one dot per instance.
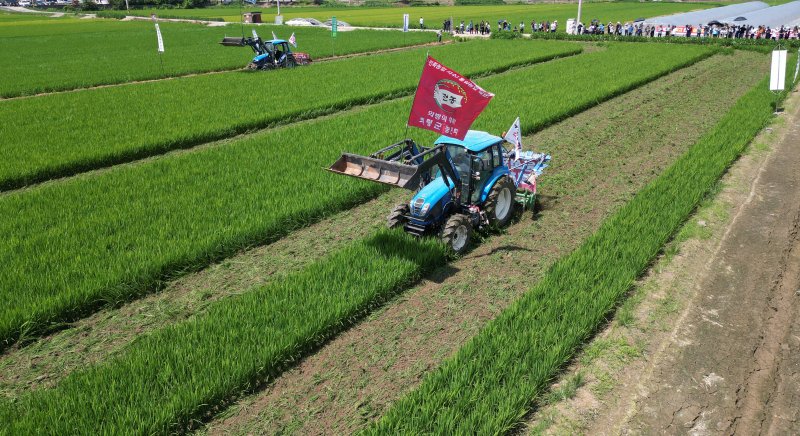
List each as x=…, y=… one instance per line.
x=478, y=161
x=273, y=54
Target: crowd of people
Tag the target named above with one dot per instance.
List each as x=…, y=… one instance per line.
x=700, y=30
x=485, y=28
x=628, y=29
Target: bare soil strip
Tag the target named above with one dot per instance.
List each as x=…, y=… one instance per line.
x=707, y=343
x=208, y=73
x=602, y=157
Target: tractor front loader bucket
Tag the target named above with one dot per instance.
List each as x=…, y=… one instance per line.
x=233, y=41
x=378, y=170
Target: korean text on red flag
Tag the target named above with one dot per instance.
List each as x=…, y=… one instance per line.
x=446, y=102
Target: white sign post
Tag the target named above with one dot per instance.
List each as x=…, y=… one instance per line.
x=777, y=74
x=405, y=22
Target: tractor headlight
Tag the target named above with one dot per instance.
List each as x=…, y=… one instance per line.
x=425, y=208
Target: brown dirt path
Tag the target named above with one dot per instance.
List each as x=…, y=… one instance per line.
x=708, y=342
x=602, y=157
x=738, y=371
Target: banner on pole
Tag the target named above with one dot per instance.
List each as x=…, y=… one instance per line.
x=446, y=102
x=334, y=26
x=777, y=72
x=160, y=40
x=293, y=40
x=514, y=136
x=405, y=22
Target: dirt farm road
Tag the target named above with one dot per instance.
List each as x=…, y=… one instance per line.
x=724, y=356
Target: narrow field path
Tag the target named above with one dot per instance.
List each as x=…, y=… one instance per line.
x=736, y=370
x=601, y=158
x=208, y=73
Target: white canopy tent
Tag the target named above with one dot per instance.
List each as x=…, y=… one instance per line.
x=787, y=14
x=708, y=15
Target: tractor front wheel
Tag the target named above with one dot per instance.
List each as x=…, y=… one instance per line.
x=397, y=217
x=500, y=202
x=456, y=233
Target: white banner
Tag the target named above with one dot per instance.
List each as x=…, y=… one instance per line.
x=293, y=40
x=160, y=40
x=514, y=136
x=405, y=22
x=777, y=72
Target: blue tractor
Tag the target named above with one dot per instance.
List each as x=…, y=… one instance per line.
x=270, y=54
x=460, y=185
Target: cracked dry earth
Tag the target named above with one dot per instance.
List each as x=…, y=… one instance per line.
x=734, y=366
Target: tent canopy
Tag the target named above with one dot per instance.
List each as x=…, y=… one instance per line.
x=787, y=14
x=707, y=15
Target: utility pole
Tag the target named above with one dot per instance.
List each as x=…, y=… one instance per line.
x=580, y=3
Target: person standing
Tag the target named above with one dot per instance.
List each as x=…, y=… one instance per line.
x=421, y=23
x=522, y=27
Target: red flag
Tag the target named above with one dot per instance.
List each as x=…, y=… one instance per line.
x=446, y=102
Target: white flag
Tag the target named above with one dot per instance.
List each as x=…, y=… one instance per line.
x=514, y=136
x=273, y=36
x=160, y=40
x=255, y=35
x=777, y=75
x=292, y=40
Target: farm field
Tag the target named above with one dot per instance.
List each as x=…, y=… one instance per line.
x=158, y=110
x=107, y=51
x=207, y=189
x=612, y=158
x=434, y=16
x=177, y=260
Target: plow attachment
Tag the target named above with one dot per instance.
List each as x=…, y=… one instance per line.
x=232, y=41
x=404, y=167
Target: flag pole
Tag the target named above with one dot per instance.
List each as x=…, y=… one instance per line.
x=405, y=135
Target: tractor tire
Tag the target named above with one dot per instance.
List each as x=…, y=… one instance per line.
x=397, y=219
x=500, y=202
x=457, y=232
x=290, y=62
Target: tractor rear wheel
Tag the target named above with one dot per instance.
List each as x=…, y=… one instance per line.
x=456, y=233
x=500, y=202
x=397, y=217
x=290, y=62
